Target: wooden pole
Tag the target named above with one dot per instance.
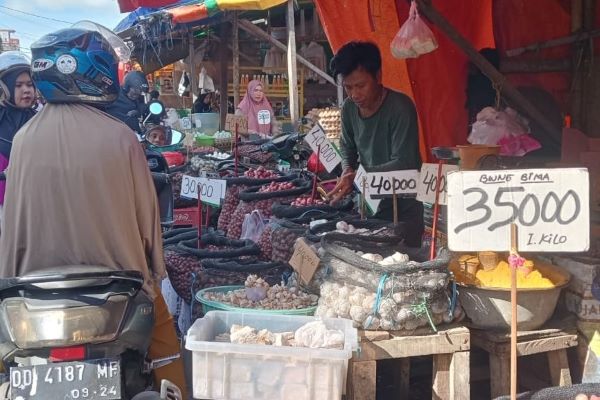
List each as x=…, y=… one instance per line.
x=199, y=216
x=340, y=93
x=513, y=320
x=193, y=79
x=363, y=199
x=259, y=33
x=395, y=201
x=292, y=64
x=508, y=90
x=436, y=209
x=236, y=60
x=224, y=76
x=576, y=15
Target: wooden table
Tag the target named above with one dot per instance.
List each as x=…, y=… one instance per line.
x=554, y=340
x=450, y=348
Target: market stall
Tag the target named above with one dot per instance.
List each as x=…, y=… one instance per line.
x=262, y=239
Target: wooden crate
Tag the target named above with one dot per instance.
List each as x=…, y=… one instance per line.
x=553, y=340
x=449, y=347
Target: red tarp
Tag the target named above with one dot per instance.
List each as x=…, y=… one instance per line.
x=437, y=81
x=130, y=5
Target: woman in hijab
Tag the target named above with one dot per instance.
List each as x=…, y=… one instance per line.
x=17, y=96
x=256, y=107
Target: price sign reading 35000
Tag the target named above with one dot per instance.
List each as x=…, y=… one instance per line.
x=549, y=206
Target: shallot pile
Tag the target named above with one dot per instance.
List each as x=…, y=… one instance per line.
x=260, y=173
x=259, y=294
x=305, y=201
x=276, y=187
x=230, y=203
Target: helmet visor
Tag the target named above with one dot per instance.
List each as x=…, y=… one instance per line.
x=119, y=46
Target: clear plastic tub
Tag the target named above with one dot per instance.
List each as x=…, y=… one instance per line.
x=260, y=372
x=207, y=123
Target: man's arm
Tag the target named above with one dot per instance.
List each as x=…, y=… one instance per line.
x=404, y=130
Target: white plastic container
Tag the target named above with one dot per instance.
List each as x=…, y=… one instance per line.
x=260, y=372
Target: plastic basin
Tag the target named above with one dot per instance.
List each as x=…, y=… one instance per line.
x=207, y=123
x=209, y=305
x=205, y=141
x=490, y=308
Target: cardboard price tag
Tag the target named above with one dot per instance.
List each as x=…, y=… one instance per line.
x=428, y=183
x=549, y=206
x=304, y=260
x=212, y=191
x=330, y=156
x=231, y=120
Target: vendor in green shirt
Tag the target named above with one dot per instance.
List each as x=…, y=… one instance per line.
x=379, y=131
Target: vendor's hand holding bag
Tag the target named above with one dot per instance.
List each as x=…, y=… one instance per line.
x=414, y=37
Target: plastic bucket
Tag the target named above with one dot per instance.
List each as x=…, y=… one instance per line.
x=471, y=154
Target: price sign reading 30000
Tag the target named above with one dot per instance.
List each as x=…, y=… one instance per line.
x=549, y=206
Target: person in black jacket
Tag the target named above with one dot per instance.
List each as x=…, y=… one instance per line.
x=130, y=105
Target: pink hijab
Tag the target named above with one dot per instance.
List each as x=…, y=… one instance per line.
x=253, y=110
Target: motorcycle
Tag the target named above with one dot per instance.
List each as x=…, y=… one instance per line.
x=159, y=167
x=81, y=332
x=78, y=332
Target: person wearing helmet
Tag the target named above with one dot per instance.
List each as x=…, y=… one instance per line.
x=157, y=135
x=17, y=96
x=88, y=197
x=130, y=105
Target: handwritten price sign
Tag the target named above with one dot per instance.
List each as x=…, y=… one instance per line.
x=330, y=156
x=212, y=191
x=549, y=206
x=428, y=183
x=231, y=120
x=304, y=260
x=383, y=184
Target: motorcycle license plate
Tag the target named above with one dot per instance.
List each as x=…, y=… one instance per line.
x=87, y=380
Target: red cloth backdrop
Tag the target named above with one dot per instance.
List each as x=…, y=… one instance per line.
x=436, y=81
x=519, y=23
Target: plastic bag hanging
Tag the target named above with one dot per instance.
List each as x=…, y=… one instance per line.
x=414, y=37
x=253, y=226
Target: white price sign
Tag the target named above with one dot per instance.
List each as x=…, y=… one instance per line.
x=212, y=191
x=384, y=184
x=549, y=206
x=330, y=156
x=186, y=123
x=428, y=183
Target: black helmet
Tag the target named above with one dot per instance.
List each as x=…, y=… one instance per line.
x=136, y=80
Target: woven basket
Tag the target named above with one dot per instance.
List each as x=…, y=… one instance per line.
x=223, y=144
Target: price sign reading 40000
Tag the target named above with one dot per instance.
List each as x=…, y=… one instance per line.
x=549, y=206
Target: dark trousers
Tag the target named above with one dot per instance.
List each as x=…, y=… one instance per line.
x=410, y=212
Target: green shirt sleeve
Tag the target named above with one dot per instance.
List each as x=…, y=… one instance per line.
x=404, y=131
x=347, y=142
